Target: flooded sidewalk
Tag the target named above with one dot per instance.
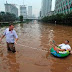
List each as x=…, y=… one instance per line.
x=33, y=49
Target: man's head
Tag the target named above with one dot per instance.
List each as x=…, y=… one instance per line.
x=11, y=27
x=66, y=42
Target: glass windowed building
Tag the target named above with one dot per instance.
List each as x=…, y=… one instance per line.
x=29, y=11
x=46, y=7
x=23, y=11
x=11, y=8
x=63, y=6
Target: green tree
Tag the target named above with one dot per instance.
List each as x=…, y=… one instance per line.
x=7, y=17
x=59, y=18
x=21, y=18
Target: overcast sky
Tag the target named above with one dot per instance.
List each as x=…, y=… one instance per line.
x=36, y=4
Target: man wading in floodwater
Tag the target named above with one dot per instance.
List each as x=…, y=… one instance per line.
x=11, y=38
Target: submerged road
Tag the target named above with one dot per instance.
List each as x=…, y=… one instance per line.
x=33, y=49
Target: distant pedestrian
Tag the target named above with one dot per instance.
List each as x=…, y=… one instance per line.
x=11, y=38
x=55, y=22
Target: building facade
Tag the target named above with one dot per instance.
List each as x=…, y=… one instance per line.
x=29, y=11
x=46, y=7
x=63, y=6
x=50, y=13
x=23, y=11
x=11, y=8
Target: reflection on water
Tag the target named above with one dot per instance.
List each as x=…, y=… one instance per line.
x=33, y=49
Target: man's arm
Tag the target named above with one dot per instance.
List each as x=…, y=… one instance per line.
x=64, y=49
x=3, y=35
x=2, y=38
x=69, y=49
x=16, y=40
x=16, y=37
x=61, y=49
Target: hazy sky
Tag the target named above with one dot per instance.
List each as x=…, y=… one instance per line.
x=35, y=3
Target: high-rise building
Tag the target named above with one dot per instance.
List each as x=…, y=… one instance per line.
x=39, y=17
x=23, y=11
x=46, y=7
x=29, y=11
x=11, y=8
x=63, y=6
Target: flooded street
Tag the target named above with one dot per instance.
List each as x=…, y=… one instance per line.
x=33, y=49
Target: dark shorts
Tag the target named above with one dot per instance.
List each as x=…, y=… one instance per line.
x=11, y=47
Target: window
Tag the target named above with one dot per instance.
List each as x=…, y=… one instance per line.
x=64, y=8
x=67, y=6
x=71, y=5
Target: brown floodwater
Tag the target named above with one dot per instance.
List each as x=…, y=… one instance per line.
x=33, y=49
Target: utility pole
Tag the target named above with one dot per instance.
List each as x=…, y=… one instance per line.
x=23, y=2
x=6, y=1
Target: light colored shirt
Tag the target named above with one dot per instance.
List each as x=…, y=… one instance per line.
x=65, y=46
x=10, y=35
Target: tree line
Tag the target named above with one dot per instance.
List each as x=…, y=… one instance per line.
x=7, y=17
x=59, y=19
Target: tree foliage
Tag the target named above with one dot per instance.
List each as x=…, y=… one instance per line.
x=7, y=17
x=59, y=18
x=21, y=18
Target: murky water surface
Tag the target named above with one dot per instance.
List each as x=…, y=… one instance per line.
x=33, y=49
